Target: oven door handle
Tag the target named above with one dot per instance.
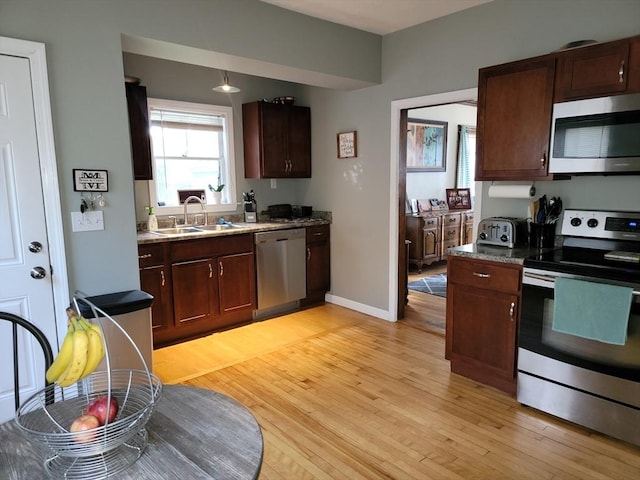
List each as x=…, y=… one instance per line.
x=548, y=281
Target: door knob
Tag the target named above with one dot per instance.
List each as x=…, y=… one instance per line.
x=35, y=247
x=38, y=273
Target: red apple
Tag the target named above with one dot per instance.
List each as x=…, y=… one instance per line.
x=86, y=424
x=103, y=409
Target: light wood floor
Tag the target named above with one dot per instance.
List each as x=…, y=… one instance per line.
x=340, y=395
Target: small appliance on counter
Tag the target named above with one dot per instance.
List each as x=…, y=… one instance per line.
x=502, y=231
x=250, y=207
x=285, y=212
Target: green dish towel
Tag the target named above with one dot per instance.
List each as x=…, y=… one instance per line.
x=591, y=310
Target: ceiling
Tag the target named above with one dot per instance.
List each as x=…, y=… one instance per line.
x=377, y=16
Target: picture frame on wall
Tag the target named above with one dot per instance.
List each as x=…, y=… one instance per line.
x=90, y=180
x=459, y=198
x=426, y=145
x=347, y=144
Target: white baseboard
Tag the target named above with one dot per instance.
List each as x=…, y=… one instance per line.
x=359, y=307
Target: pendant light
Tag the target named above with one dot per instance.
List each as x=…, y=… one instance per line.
x=226, y=87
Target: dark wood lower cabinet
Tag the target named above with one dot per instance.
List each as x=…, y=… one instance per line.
x=237, y=287
x=199, y=286
x=195, y=289
x=318, y=264
x=483, y=305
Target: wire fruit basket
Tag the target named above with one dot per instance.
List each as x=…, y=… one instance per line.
x=99, y=452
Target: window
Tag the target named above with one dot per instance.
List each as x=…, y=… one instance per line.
x=192, y=148
x=466, y=171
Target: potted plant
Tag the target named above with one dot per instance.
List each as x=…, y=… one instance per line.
x=217, y=193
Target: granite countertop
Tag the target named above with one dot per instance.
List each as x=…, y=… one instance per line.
x=145, y=237
x=496, y=254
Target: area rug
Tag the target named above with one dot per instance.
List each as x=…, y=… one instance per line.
x=434, y=285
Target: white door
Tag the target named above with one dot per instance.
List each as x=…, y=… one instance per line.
x=25, y=266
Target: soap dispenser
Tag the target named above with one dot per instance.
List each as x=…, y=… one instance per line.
x=152, y=221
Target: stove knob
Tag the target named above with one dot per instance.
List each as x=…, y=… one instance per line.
x=504, y=238
x=576, y=222
x=592, y=223
x=483, y=236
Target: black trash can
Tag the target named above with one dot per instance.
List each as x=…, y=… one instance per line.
x=131, y=309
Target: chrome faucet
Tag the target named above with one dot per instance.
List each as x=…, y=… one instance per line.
x=202, y=204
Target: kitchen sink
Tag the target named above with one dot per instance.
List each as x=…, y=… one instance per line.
x=163, y=232
x=216, y=227
x=176, y=231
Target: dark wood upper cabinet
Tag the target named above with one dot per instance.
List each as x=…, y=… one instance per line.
x=514, y=119
x=277, y=140
x=139, y=131
x=602, y=69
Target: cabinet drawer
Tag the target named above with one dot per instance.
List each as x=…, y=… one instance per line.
x=487, y=275
x=430, y=222
x=317, y=233
x=151, y=254
x=467, y=217
x=450, y=233
x=449, y=244
x=211, y=247
x=451, y=219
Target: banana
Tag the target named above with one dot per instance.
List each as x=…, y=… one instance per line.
x=79, y=358
x=63, y=358
x=96, y=347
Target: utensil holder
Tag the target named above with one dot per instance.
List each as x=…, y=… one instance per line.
x=542, y=235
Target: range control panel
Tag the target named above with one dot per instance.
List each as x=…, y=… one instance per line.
x=602, y=224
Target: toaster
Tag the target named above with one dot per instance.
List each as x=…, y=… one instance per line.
x=502, y=231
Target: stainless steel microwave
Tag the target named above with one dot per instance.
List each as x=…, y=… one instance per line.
x=597, y=135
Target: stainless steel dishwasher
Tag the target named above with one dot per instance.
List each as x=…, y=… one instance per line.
x=281, y=270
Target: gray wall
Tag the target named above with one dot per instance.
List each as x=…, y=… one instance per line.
x=86, y=69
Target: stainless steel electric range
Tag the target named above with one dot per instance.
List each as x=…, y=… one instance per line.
x=586, y=378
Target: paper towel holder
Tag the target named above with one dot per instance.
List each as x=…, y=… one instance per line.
x=512, y=191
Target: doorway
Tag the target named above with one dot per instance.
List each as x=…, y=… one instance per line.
x=398, y=250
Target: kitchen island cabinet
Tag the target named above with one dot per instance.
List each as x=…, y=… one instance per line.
x=514, y=119
x=277, y=140
x=483, y=305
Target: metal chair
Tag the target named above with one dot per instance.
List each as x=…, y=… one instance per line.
x=40, y=337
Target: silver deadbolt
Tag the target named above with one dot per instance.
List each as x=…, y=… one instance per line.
x=38, y=273
x=35, y=247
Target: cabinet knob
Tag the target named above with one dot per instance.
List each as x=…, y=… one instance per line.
x=162, y=277
x=512, y=309
x=543, y=161
x=308, y=253
x=621, y=72
x=145, y=256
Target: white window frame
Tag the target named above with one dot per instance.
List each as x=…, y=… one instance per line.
x=230, y=182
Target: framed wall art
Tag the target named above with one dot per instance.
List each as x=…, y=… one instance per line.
x=459, y=198
x=90, y=180
x=348, y=144
x=426, y=145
